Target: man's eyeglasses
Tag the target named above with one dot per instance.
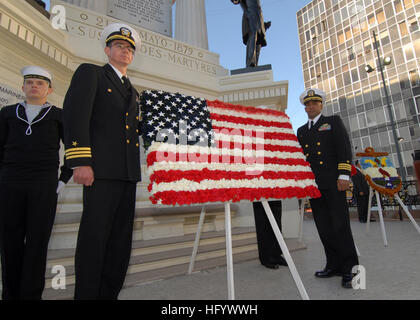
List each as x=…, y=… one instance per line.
x=122, y=47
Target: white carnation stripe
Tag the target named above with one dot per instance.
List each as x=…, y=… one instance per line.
x=245, y=116
x=240, y=167
x=257, y=140
x=187, y=185
x=174, y=148
x=232, y=125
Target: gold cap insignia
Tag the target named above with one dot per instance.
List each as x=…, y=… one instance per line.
x=125, y=32
x=311, y=93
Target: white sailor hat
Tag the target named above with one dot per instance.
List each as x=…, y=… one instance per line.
x=36, y=72
x=312, y=95
x=120, y=31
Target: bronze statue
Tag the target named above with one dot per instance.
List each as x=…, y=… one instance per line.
x=253, y=29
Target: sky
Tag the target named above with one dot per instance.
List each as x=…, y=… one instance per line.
x=224, y=26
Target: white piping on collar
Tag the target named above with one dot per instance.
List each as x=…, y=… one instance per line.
x=28, y=131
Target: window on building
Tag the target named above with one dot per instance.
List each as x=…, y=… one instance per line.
x=318, y=70
x=309, y=54
x=321, y=47
x=321, y=7
x=384, y=36
x=380, y=115
x=324, y=25
x=351, y=54
x=348, y=33
x=333, y=85
x=354, y=75
x=367, y=45
x=312, y=72
x=355, y=26
x=354, y=124
x=337, y=17
x=408, y=51
x=380, y=16
x=362, y=120
x=412, y=22
x=358, y=98
x=329, y=64
x=399, y=110
x=327, y=45
x=366, y=142
x=384, y=139
x=340, y=37
x=371, y=20
x=408, y=4
x=344, y=13
x=358, y=49
x=313, y=33
x=319, y=28
x=398, y=6
x=305, y=18
x=414, y=78
x=311, y=14
x=371, y=118
x=403, y=28
x=316, y=11
x=417, y=48
x=363, y=25
x=346, y=78
x=324, y=67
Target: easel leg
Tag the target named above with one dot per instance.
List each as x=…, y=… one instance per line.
x=369, y=208
x=381, y=218
x=407, y=212
x=285, y=251
x=197, y=240
x=302, y=213
x=229, y=258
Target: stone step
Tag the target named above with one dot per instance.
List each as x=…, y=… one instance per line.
x=151, y=251
x=204, y=261
x=149, y=223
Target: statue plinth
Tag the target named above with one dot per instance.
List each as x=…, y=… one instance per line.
x=251, y=69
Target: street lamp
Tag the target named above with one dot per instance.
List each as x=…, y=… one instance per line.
x=368, y=69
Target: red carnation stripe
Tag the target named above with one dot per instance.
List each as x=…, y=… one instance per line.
x=234, y=195
x=256, y=134
x=247, y=121
x=253, y=146
x=159, y=156
x=166, y=176
x=250, y=110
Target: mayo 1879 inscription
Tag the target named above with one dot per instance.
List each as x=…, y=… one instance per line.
x=155, y=15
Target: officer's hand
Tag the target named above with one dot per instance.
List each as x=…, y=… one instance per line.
x=83, y=175
x=343, y=185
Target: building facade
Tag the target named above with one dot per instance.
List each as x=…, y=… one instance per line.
x=337, y=43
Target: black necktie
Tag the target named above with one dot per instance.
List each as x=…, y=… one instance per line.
x=312, y=124
x=126, y=83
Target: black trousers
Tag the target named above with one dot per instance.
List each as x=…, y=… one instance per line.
x=332, y=220
x=269, y=250
x=362, y=207
x=26, y=219
x=105, y=239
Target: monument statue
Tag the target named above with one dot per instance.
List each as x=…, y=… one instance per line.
x=253, y=29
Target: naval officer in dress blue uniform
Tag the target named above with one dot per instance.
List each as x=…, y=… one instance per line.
x=101, y=131
x=326, y=145
x=30, y=134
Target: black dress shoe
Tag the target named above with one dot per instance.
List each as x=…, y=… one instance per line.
x=346, y=281
x=326, y=273
x=270, y=265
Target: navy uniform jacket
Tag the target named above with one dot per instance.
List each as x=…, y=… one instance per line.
x=327, y=149
x=101, y=124
x=31, y=158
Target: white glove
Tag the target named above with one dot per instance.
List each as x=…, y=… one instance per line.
x=60, y=187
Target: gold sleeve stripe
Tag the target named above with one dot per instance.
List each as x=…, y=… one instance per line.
x=344, y=167
x=78, y=149
x=79, y=156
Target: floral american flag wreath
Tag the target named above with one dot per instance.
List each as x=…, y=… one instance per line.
x=201, y=151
